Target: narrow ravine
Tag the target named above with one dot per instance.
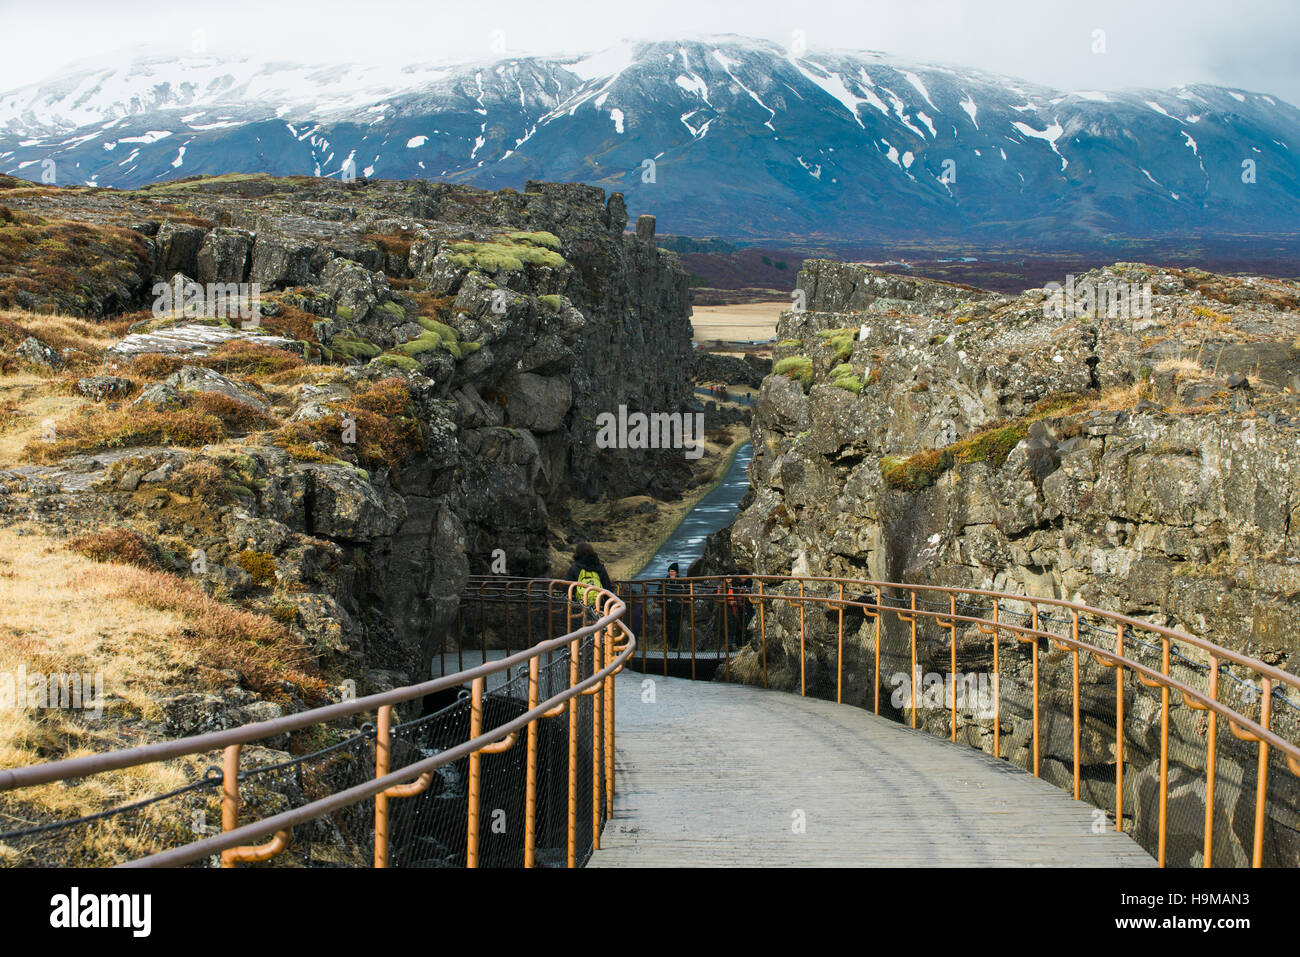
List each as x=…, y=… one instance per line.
x=714, y=511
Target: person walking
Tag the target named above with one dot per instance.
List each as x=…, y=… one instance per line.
x=733, y=613
x=673, y=590
x=587, y=569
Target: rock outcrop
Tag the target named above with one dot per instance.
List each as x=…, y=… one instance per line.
x=508, y=321
x=1143, y=463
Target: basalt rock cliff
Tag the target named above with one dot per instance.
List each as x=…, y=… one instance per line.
x=415, y=393
x=1143, y=462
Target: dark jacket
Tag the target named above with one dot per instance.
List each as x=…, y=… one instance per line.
x=592, y=564
x=675, y=594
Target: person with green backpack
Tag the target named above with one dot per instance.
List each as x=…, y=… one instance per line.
x=587, y=569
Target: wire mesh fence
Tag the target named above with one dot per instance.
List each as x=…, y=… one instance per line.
x=569, y=787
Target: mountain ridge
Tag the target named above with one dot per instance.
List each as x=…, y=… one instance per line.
x=728, y=136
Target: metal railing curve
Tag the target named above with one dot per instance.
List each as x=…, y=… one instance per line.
x=748, y=604
x=612, y=644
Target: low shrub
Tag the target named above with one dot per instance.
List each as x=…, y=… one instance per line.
x=126, y=428
x=259, y=565
x=122, y=546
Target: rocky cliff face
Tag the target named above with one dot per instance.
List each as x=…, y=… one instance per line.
x=930, y=433
x=467, y=340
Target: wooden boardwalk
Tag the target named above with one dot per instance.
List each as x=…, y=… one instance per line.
x=713, y=774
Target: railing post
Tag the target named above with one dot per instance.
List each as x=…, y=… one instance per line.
x=912, y=678
x=1261, y=788
x=475, y=771
x=608, y=682
x=530, y=795
x=572, y=839
x=879, y=616
x=1119, y=729
x=1164, y=752
x=596, y=749
x=250, y=854
x=952, y=629
x=663, y=623
x=1211, y=756
x=839, y=654
x=803, y=659
x=550, y=610
x=726, y=633
x=1074, y=661
x=230, y=796
x=997, y=696
x=692, y=600
x=1034, y=654
x=383, y=758
x=762, y=629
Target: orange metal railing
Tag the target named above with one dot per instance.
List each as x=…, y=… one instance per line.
x=820, y=635
x=612, y=642
x=885, y=604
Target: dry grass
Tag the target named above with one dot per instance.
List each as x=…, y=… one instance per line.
x=1121, y=398
x=64, y=261
x=1183, y=369
x=122, y=545
x=385, y=432
x=225, y=638
x=126, y=428
x=206, y=418
x=147, y=635
x=31, y=400
x=316, y=375
x=56, y=617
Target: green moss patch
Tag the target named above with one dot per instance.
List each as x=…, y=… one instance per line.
x=398, y=361
x=798, y=368
x=991, y=445
x=841, y=340
x=354, y=348
x=509, y=252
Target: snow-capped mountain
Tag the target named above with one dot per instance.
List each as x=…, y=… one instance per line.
x=724, y=136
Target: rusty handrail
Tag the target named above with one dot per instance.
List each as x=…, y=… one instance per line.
x=1263, y=668
x=244, y=734
x=1241, y=726
x=233, y=844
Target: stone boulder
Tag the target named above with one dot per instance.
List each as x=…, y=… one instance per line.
x=101, y=387
x=346, y=506
x=536, y=402
x=200, y=379
x=281, y=260
x=177, y=246
x=223, y=255
x=38, y=353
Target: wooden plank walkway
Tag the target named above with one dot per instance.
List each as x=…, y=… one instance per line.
x=714, y=774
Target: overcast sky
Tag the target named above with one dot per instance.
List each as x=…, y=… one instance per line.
x=1157, y=43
